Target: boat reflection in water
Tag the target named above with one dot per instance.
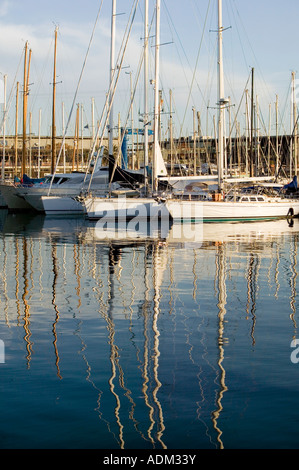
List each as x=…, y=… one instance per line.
x=147, y=337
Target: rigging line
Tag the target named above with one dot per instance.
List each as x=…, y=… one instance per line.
x=118, y=68
x=75, y=96
x=283, y=118
x=40, y=76
x=291, y=139
x=180, y=42
x=236, y=115
x=112, y=86
x=4, y=117
x=193, y=78
x=132, y=100
x=251, y=48
x=196, y=63
x=228, y=77
x=239, y=36
x=209, y=85
x=128, y=114
x=114, y=77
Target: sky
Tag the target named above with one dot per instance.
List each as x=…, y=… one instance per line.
x=260, y=34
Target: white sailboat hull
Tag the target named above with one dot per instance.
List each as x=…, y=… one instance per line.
x=189, y=211
x=29, y=197
x=35, y=198
x=214, y=211
x=60, y=205
x=123, y=208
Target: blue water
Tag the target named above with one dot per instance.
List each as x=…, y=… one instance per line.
x=148, y=343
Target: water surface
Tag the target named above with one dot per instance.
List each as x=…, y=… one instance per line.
x=157, y=342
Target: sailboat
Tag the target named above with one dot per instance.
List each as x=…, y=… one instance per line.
x=147, y=207
x=234, y=208
x=66, y=198
x=239, y=207
x=8, y=188
x=13, y=193
x=27, y=194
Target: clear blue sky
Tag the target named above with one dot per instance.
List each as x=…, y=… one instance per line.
x=261, y=34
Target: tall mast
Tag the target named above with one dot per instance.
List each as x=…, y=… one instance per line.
x=171, y=132
x=112, y=66
x=16, y=129
x=39, y=131
x=25, y=100
x=221, y=99
x=53, y=161
x=4, y=129
x=252, y=167
x=194, y=141
x=146, y=89
x=157, y=72
x=23, y=169
x=63, y=130
x=294, y=130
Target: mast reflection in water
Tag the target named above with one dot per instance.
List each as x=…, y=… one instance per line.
x=152, y=342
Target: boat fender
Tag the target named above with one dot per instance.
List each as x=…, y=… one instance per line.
x=290, y=212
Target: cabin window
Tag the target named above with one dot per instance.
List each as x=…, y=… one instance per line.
x=63, y=180
x=260, y=198
x=252, y=198
x=245, y=199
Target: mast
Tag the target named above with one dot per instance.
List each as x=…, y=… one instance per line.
x=156, y=121
x=132, y=122
x=53, y=161
x=77, y=135
x=199, y=133
x=221, y=99
x=23, y=168
x=276, y=140
x=112, y=59
x=75, y=150
x=294, y=130
x=16, y=129
x=39, y=131
x=30, y=144
x=82, y=138
x=194, y=140
x=252, y=124
x=269, y=142
x=4, y=130
x=171, y=133
x=145, y=91
x=63, y=130
x=257, y=130
x=25, y=101
x=246, y=135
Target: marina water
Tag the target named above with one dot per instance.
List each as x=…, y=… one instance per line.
x=148, y=341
